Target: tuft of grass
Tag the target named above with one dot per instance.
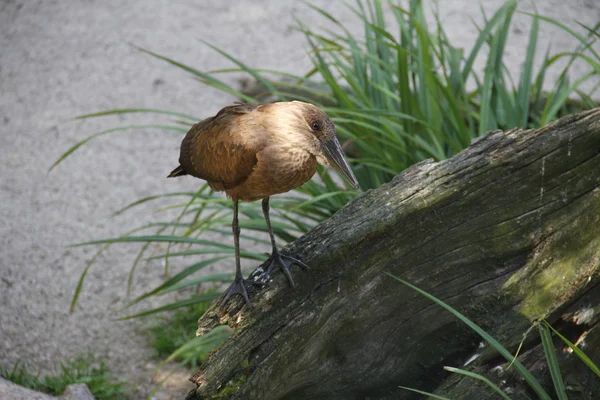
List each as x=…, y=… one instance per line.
x=168, y=335
x=84, y=369
x=398, y=93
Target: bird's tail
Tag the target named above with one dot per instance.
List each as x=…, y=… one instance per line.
x=177, y=172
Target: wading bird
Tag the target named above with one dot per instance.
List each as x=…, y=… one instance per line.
x=253, y=151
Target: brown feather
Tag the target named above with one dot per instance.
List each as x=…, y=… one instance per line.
x=253, y=151
x=218, y=149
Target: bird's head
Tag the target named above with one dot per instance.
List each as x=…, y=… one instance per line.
x=315, y=124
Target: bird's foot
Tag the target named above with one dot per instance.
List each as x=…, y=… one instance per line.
x=283, y=262
x=239, y=286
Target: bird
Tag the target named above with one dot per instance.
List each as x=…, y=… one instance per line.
x=253, y=151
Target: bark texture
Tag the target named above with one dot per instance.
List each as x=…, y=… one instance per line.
x=507, y=232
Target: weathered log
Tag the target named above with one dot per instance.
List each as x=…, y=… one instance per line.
x=507, y=232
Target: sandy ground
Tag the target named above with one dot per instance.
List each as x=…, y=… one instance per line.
x=59, y=59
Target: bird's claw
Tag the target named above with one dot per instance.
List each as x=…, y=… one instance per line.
x=284, y=262
x=239, y=286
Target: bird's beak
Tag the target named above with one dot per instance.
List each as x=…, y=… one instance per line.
x=335, y=155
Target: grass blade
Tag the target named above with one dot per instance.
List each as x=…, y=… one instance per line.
x=175, y=279
x=577, y=351
x=220, y=250
x=119, y=111
x=199, y=345
x=173, y=306
x=531, y=381
x=524, y=91
x=553, y=366
x=204, y=77
x=224, y=278
x=150, y=198
x=479, y=377
x=153, y=238
x=120, y=128
x=80, y=283
x=431, y=395
x=248, y=70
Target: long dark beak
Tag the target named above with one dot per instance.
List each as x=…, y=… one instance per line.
x=335, y=155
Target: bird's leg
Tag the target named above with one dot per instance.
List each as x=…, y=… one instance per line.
x=284, y=262
x=239, y=283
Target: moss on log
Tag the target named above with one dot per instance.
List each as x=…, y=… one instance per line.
x=507, y=232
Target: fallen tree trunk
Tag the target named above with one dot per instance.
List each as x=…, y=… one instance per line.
x=507, y=232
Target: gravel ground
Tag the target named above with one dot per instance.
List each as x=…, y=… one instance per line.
x=59, y=59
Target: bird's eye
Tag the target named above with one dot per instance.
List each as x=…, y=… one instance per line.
x=315, y=126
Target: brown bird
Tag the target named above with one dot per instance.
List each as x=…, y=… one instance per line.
x=253, y=151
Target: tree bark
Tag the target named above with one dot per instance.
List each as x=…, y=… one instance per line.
x=507, y=232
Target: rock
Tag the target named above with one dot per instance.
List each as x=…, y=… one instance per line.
x=12, y=391
x=77, y=391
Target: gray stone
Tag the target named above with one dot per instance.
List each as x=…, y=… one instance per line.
x=77, y=391
x=12, y=391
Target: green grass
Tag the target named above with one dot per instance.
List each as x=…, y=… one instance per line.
x=398, y=94
x=83, y=369
x=168, y=334
x=544, y=330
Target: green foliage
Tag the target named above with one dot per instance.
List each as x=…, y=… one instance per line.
x=169, y=335
x=197, y=349
x=553, y=366
x=530, y=379
x=479, y=377
x=576, y=350
x=548, y=346
x=84, y=369
x=399, y=94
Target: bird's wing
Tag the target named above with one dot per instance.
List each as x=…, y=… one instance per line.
x=222, y=149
